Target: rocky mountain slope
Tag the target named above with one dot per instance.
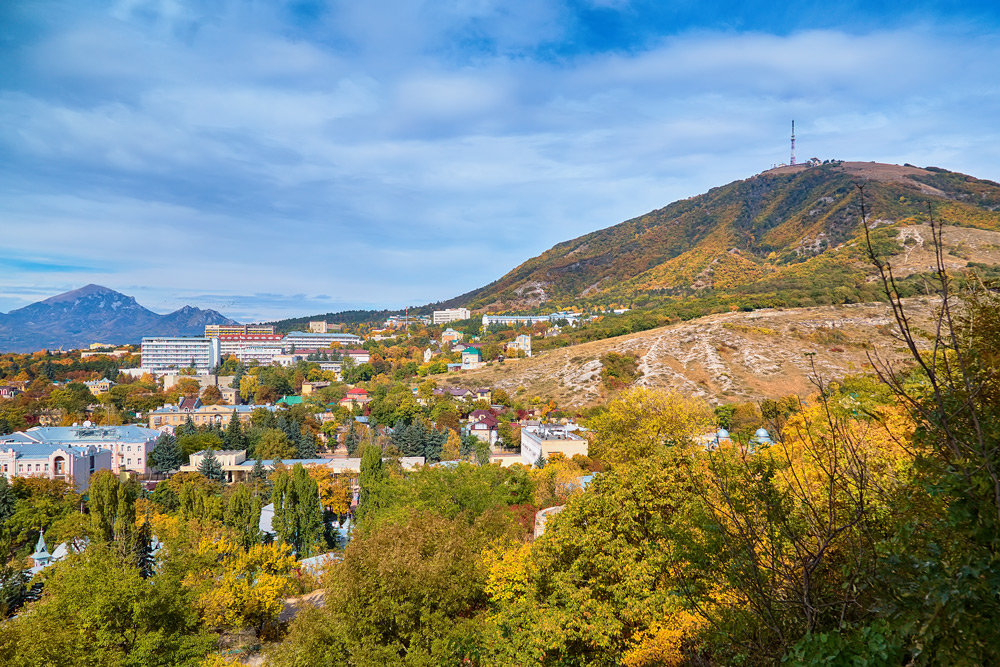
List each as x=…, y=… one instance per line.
x=724, y=357
x=787, y=236
x=95, y=314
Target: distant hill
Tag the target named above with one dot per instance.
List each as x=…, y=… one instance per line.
x=95, y=314
x=785, y=237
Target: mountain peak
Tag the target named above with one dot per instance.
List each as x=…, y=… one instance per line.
x=83, y=292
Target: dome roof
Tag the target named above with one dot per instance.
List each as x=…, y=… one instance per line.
x=762, y=433
x=722, y=434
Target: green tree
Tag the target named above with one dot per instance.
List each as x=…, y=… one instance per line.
x=298, y=513
x=372, y=479
x=112, y=507
x=166, y=454
x=211, y=468
x=243, y=515
x=353, y=439
x=233, y=437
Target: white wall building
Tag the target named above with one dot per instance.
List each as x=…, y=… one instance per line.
x=305, y=340
x=128, y=446
x=20, y=456
x=450, y=315
x=165, y=353
x=547, y=439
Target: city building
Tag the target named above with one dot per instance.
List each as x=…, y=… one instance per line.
x=310, y=387
x=471, y=358
x=520, y=344
x=21, y=456
x=450, y=315
x=396, y=321
x=359, y=356
x=544, y=440
x=237, y=467
x=7, y=391
x=306, y=340
x=166, y=353
x=128, y=445
x=449, y=335
x=98, y=387
x=355, y=396
x=247, y=347
x=175, y=415
x=323, y=327
x=509, y=319
x=216, y=330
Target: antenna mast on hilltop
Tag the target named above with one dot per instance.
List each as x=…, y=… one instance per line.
x=793, y=143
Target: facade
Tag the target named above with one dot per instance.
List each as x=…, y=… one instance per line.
x=127, y=446
x=396, y=321
x=309, y=387
x=175, y=415
x=237, y=467
x=21, y=456
x=359, y=356
x=216, y=330
x=166, y=353
x=305, y=340
x=449, y=335
x=243, y=346
x=544, y=440
x=355, y=396
x=485, y=428
x=521, y=344
x=528, y=320
x=98, y=387
x=6, y=391
x=450, y=315
x=323, y=327
x=471, y=358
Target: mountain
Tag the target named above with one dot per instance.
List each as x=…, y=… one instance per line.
x=95, y=314
x=789, y=236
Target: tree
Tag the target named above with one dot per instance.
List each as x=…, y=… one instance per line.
x=112, y=507
x=7, y=500
x=353, y=439
x=306, y=445
x=234, y=437
x=211, y=395
x=248, y=585
x=642, y=422
x=243, y=515
x=372, y=480
x=298, y=515
x=166, y=454
x=211, y=468
x=274, y=444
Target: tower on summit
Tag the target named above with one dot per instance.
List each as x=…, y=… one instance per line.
x=792, y=162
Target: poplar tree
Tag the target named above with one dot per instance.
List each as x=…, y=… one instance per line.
x=298, y=513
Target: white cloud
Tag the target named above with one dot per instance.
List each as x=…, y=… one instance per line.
x=240, y=150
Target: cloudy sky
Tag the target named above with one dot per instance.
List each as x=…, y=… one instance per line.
x=270, y=158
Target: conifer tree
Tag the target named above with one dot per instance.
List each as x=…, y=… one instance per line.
x=306, y=445
x=144, y=558
x=233, y=437
x=211, y=468
x=353, y=439
x=166, y=454
x=372, y=479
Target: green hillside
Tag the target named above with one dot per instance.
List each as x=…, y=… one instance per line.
x=788, y=236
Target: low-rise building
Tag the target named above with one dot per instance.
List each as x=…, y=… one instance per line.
x=7, y=391
x=520, y=344
x=98, y=387
x=355, y=396
x=472, y=358
x=215, y=330
x=449, y=335
x=309, y=387
x=544, y=440
x=237, y=467
x=22, y=456
x=129, y=445
x=201, y=415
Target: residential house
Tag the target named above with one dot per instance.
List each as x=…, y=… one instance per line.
x=355, y=396
x=449, y=335
x=98, y=387
x=521, y=344
x=175, y=415
x=472, y=358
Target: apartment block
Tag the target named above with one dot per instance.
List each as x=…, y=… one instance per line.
x=166, y=353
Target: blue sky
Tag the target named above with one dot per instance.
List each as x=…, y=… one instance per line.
x=273, y=158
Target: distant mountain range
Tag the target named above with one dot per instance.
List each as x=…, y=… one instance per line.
x=95, y=314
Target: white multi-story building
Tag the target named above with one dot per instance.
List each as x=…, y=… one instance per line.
x=544, y=440
x=450, y=315
x=167, y=353
x=214, y=330
x=306, y=340
x=528, y=320
x=251, y=347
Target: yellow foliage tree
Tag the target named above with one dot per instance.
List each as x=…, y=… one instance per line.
x=247, y=587
x=642, y=421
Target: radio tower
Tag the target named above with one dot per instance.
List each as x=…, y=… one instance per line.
x=793, y=143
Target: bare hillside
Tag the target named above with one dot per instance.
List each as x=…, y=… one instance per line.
x=731, y=356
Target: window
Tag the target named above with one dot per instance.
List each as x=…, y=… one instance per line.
x=130, y=462
x=46, y=467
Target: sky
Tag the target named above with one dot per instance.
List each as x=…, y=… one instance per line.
x=275, y=158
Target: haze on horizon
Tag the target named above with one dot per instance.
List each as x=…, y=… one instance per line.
x=283, y=159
